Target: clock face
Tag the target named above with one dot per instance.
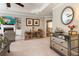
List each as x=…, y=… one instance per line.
x=67, y=15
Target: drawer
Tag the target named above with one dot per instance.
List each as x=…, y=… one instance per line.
x=61, y=49
x=52, y=44
x=64, y=43
x=61, y=42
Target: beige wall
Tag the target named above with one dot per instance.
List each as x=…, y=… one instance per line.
x=57, y=17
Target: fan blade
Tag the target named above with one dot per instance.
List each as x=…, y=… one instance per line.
x=20, y=4
x=8, y=5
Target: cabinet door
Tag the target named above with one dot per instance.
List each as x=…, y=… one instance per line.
x=63, y=50
x=60, y=41
x=63, y=43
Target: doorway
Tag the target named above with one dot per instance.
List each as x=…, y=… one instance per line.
x=48, y=28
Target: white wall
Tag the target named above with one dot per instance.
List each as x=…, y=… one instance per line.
x=23, y=21
x=25, y=28
x=57, y=17
x=42, y=24
x=22, y=16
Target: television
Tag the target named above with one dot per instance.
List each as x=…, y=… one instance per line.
x=7, y=20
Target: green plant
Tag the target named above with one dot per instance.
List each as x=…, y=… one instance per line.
x=2, y=21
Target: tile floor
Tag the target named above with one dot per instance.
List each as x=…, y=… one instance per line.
x=34, y=47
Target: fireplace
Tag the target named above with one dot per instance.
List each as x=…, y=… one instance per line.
x=8, y=29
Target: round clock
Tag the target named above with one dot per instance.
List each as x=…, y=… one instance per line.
x=67, y=15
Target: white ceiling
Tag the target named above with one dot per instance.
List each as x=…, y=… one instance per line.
x=42, y=9
x=34, y=6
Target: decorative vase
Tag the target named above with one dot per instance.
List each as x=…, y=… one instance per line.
x=71, y=29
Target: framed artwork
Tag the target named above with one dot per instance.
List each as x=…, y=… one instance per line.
x=29, y=22
x=36, y=22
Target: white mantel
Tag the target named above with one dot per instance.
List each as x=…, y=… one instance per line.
x=6, y=26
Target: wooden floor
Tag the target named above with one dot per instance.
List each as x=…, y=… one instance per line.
x=34, y=47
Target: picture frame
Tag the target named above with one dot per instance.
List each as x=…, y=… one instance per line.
x=36, y=22
x=29, y=22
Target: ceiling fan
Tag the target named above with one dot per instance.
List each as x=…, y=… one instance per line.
x=19, y=4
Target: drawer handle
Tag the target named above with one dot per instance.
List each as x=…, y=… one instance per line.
x=61, y=42
x=61, y=49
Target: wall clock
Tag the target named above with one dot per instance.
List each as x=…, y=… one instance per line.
x=67, y=15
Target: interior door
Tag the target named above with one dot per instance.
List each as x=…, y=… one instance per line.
x=49, y=28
